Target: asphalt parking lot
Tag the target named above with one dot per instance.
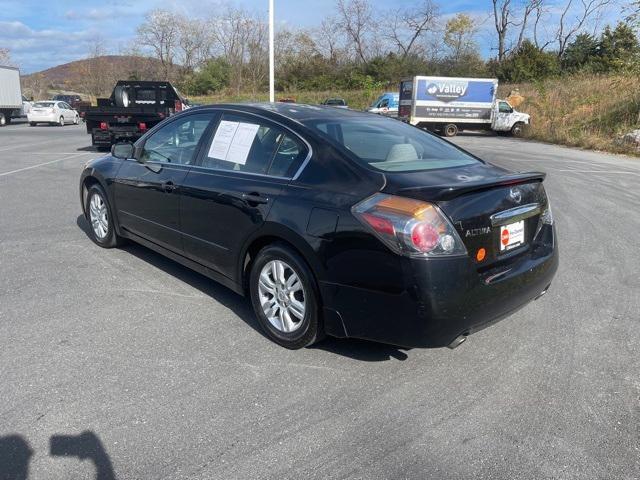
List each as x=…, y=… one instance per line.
x=168, y=375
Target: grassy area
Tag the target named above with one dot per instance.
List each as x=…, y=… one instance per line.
x=585, y=111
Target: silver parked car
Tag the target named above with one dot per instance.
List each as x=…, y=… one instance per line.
x=52, y=112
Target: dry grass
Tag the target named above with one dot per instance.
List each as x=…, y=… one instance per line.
x=585, y=111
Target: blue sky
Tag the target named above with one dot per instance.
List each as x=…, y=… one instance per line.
x=45, y=33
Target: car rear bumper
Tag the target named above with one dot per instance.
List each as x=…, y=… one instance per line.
x=444, y=298
x=48, y=118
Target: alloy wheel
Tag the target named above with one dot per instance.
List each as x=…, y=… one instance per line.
x=99, y=216
x=282, y=296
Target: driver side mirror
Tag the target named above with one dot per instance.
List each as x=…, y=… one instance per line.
x=123, y=150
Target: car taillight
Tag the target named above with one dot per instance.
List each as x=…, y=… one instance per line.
x=409, y=227
x=142, y=126
x=104, y=126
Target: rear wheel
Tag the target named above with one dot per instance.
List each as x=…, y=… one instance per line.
x=61, y=121
x=450, y=130
x=76, y=120
x=284, y=297
x=3, y=119
x=32, y=124
x=98, y=212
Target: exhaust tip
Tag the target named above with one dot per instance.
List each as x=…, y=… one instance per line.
x=459, y=340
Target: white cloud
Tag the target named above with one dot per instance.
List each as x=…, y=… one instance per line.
x=32, y=49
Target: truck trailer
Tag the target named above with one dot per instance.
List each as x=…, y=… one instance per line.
x=10, y=93
x=448, y=105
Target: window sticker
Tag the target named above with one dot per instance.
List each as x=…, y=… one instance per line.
x=232, y=141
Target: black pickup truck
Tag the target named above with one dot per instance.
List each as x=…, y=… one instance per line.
x=133, y=108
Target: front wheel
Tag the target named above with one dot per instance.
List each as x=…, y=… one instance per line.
x=61, y=121
x=284, y=297
x=32, y=124
x=76, y=120
x=518, y=129
x=98, y=213
x=3, y=119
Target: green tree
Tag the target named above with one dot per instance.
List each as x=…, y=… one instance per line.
x=580, y=53
x=212, y=77
x=528, y=63
x=619, y=48
x=459, y=36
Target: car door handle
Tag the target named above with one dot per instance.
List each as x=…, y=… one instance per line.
x=169, y=186
x=254, y=198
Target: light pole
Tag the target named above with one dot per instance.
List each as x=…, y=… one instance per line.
x=271, y=56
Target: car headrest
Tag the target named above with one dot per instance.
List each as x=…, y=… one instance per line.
x=402, y=152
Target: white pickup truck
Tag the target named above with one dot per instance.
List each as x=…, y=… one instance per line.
x=448, y=105
x=11, y=98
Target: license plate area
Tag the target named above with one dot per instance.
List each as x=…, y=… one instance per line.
x=512, y=236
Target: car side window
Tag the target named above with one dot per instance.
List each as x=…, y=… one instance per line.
x=384, y=103
x=177, y=141
x=252, y=145
x=504, y=107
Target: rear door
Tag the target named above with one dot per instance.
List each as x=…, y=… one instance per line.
x=148, y=194
x=227, y=196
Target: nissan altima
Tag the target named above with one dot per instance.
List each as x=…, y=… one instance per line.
x=332, y=222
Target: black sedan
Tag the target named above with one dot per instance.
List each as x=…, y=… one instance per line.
x=332, y=221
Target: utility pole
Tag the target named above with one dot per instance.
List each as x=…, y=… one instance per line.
x=272, y=97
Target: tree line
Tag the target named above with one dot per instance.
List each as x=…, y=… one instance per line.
x=361, y=47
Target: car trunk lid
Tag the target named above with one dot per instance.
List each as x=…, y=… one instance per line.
x=491, y=208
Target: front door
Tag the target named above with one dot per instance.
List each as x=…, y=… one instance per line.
x=147, y=192
x=502, y=117
x=241, y=171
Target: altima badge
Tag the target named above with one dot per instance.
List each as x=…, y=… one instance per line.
x=516, y=195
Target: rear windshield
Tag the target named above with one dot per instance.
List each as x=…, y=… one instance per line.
x=43, y=104
x=390, y=145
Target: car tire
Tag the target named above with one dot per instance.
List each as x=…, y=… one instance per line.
x=76, y=120
x=121, y=96
x=32, y=124
x=271, y=284
x=98, y=213
x=61, y=121
x=450, y=130
x=518, y=129
x=3, y=119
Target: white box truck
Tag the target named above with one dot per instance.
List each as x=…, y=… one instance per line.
x=10, y=93
x=448, y=105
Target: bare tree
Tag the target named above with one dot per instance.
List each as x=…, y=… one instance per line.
x=192, y=45
x=502, y=19
x=160, y=33
x=328, y=40
x=573, y=20
x=529, y=8
x=357, y=22
x=508, y=14
x=409, y=24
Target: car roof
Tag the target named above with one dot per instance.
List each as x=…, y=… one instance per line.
x=298, y=112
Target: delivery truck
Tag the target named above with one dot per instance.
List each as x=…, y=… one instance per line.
x=10, y=93
x=448, y=105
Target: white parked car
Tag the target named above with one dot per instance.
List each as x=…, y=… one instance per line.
x=52, y=112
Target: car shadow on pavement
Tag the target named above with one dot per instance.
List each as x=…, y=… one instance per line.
x=353, y=348
x=16, y=453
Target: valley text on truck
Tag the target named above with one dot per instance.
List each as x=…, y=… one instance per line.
x=448, y=105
